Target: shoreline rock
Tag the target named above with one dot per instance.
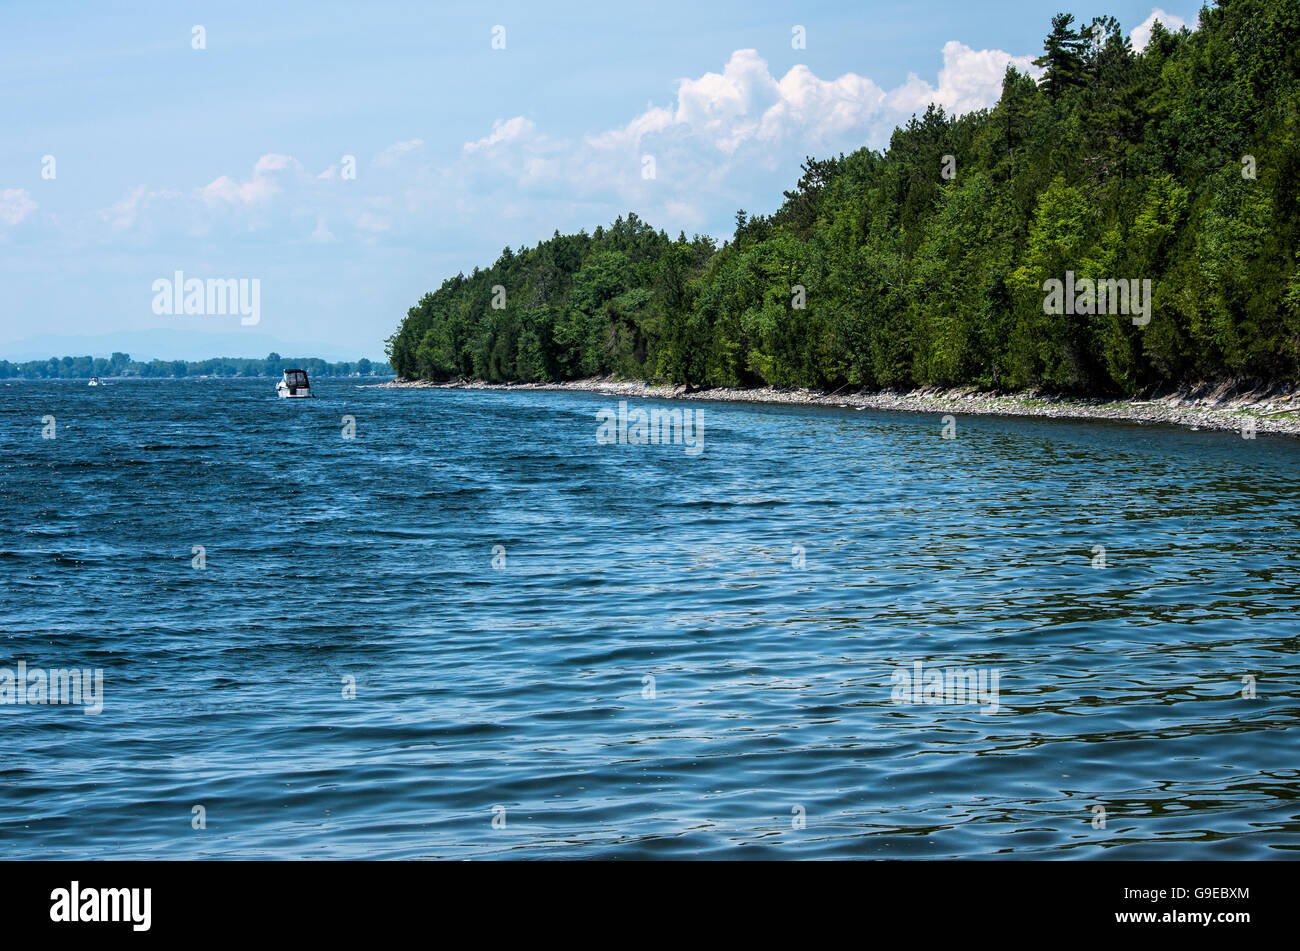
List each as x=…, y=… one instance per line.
x=1204, y=407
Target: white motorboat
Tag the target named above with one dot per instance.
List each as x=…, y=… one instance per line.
x=94, y=381
x=294, y=385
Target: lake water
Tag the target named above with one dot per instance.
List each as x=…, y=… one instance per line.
x=676, y=654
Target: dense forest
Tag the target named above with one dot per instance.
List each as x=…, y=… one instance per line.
x=121, y=365
x=927, y=264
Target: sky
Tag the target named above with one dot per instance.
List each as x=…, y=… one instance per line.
x=349, y=157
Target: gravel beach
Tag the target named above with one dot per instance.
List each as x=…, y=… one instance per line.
x=1275, y=411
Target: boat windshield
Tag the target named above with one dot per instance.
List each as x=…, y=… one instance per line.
x=295, y=378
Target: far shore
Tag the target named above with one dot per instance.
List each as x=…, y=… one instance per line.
x=1224, y=407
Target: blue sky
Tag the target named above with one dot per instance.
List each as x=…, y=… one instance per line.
x=229, y=161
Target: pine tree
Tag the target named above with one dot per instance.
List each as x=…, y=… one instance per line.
x=1062, y=57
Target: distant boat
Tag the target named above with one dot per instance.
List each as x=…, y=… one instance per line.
x=294, y=385
x=94, y=381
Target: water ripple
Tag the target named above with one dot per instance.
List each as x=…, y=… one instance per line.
x=675, y=655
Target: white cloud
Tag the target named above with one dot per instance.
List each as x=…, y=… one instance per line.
x=259, y=189
x=746, y=105
x=503, y=131
x=821, y=108
x=397, y=150
x=122, y=215
x=322, y=234
x=727, y=108
x=15, y=205
x=969, y=80
x=1141, y=34
x=281, y=194
x=722, y=126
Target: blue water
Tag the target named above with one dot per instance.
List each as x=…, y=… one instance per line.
x=772, y=728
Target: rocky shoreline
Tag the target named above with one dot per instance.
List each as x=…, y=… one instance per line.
x=1226, y=407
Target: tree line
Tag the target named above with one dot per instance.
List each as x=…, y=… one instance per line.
x=927, y=264
x=121, y=365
